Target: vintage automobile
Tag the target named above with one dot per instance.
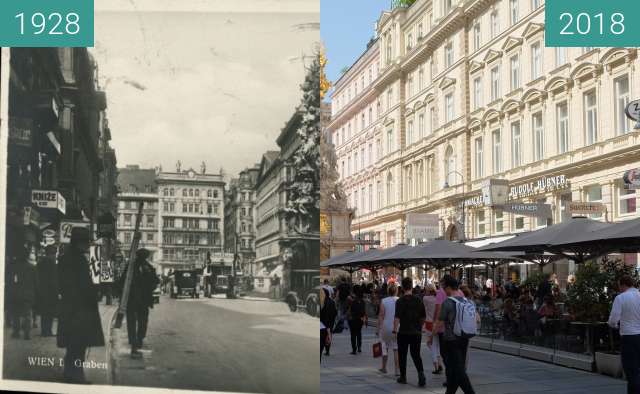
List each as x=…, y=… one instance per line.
x=305, y=292
x=185, y=283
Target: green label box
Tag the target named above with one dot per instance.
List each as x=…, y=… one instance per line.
x=592, y=23
x=46, y=23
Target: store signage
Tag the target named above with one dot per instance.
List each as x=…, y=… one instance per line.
x=20, y=131
x=50, y=199
x=106, y=272
x=631, y=178
x=95, y=255
x=537, y=210
x=475, y=201
x=422, y=226
x=632, y=110
x=495, y=191
x=66, y=227
x=542, y=185
x=586, y=207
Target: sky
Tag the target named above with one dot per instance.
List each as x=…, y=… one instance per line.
x=215, y=85
x=347, y=26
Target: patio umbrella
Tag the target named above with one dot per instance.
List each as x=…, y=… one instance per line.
x=384, y=257
x=623, y=237
x=545, y=239
x=336, y=261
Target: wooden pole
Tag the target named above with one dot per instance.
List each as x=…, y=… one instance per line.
x=122, y=308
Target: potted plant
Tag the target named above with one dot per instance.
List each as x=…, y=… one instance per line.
x=590, y=299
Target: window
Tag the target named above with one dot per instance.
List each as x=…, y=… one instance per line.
x=184, y=192
x=561, y=56
x=421, y=126
x=197, y=192
x=421, y=78
x=127, y=219
x=535, y=4
x=594, y=194
x=127, y=237
x=409, y=132
x=518, y=222
x=389, y=189
x=389, y=141
x=389, y=98
x=210, y=207
x=370, y=115
x=586, y=49
x=448, y=107
x=626, y=200
x=450, y=166
x=419, y=31
x=448, y=55
x=562, y=127
x=538, y=136
x=379, y=196
x=409, y=41
x=477, y=37
x=149, y=237
x=362, y=158
x=151, y=219
x=432, y=119
x=477, y=93
x=447, y=5
x=378, y=149
x=363, y=208
x=536, y=61
x=420, y=179
x=495, y=24
x=499, y=221
x=565, y=213
x=410, y=85
x=495, y=83
x=370, y=75
x=165, y=206
x=542, y=221
x=362, y=121
x=370, y=154
x=622, y=99
x=409, y=182
x=355, y=162
x=516, y=145
x=165, y=192
x=515, y=72
x=349, y=166
x=591, y=117
x=480, y=223
x=513, y=11
x=172, y=192
x=342, y=170
x=497, y=151
x=127, y=204
x=349, y=130
x=479, y=158
x=370, y=204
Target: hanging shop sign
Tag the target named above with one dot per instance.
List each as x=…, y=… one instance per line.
x=422, y=226
x=21, y=131
x=542, y=185
x=632, y=111
x=586, y=207
x=49, y=199
x=106, y=272
x=495, y=191
x=94, y=263
x=631, y=179
x=66, y=227
x=536, y=210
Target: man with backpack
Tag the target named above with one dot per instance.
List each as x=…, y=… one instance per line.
x=458, y=315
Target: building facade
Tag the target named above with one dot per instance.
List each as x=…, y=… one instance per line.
x=191, y=218
x=453, y=93
x=138, y=185
x=239, y=210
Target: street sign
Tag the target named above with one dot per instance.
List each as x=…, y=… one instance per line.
x=536, y=210
x=631, y=178
x=51, y=199
x=66, y=227
x=94, y=263
x=422, y=226
x=586, y=207
x=106, y=272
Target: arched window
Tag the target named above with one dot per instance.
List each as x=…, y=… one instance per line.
x=389, y=189
x=197, y=192
x=450, y=166
x=184, y=192
x=190, y=192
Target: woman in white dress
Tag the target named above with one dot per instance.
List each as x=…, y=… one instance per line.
x=385, y=328
x=429, y=301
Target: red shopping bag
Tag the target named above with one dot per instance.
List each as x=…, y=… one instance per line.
x=377, y=350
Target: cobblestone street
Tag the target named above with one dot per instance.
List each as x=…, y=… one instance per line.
x=490, y=373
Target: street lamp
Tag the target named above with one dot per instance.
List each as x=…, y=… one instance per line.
x=446, y=186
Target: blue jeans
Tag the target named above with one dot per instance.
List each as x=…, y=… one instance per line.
x=630, y=354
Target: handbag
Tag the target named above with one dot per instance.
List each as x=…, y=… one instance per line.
x=377, y=350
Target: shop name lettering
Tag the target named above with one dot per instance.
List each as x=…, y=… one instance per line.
x=542, y=185
x=45, y=196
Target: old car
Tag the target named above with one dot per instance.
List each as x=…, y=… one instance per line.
x=305, y=292
x=185, y=283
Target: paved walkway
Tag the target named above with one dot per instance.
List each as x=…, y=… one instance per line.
x=490, y=373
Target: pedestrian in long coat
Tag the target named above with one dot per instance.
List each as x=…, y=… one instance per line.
x=22, y=293
x=79, y=321
x=47, y=294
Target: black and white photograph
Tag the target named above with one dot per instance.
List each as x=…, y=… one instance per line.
x=160, y=201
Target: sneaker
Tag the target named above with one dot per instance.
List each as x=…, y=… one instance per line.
x=402, y=380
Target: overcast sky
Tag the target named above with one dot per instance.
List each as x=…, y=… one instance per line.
x=209, y=80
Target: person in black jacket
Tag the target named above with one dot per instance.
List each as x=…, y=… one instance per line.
x=79, y=321
x=47, y=294
x=23, y=285
x=328, y=313
x=357, y=317
x=143, y=284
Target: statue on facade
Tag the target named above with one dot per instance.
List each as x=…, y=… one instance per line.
x=178, y=166
x=203, y=168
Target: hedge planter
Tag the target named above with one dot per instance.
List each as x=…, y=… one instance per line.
x=609, y=364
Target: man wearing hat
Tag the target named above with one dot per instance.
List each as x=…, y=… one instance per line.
x=79, y=321
x=143, y=283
